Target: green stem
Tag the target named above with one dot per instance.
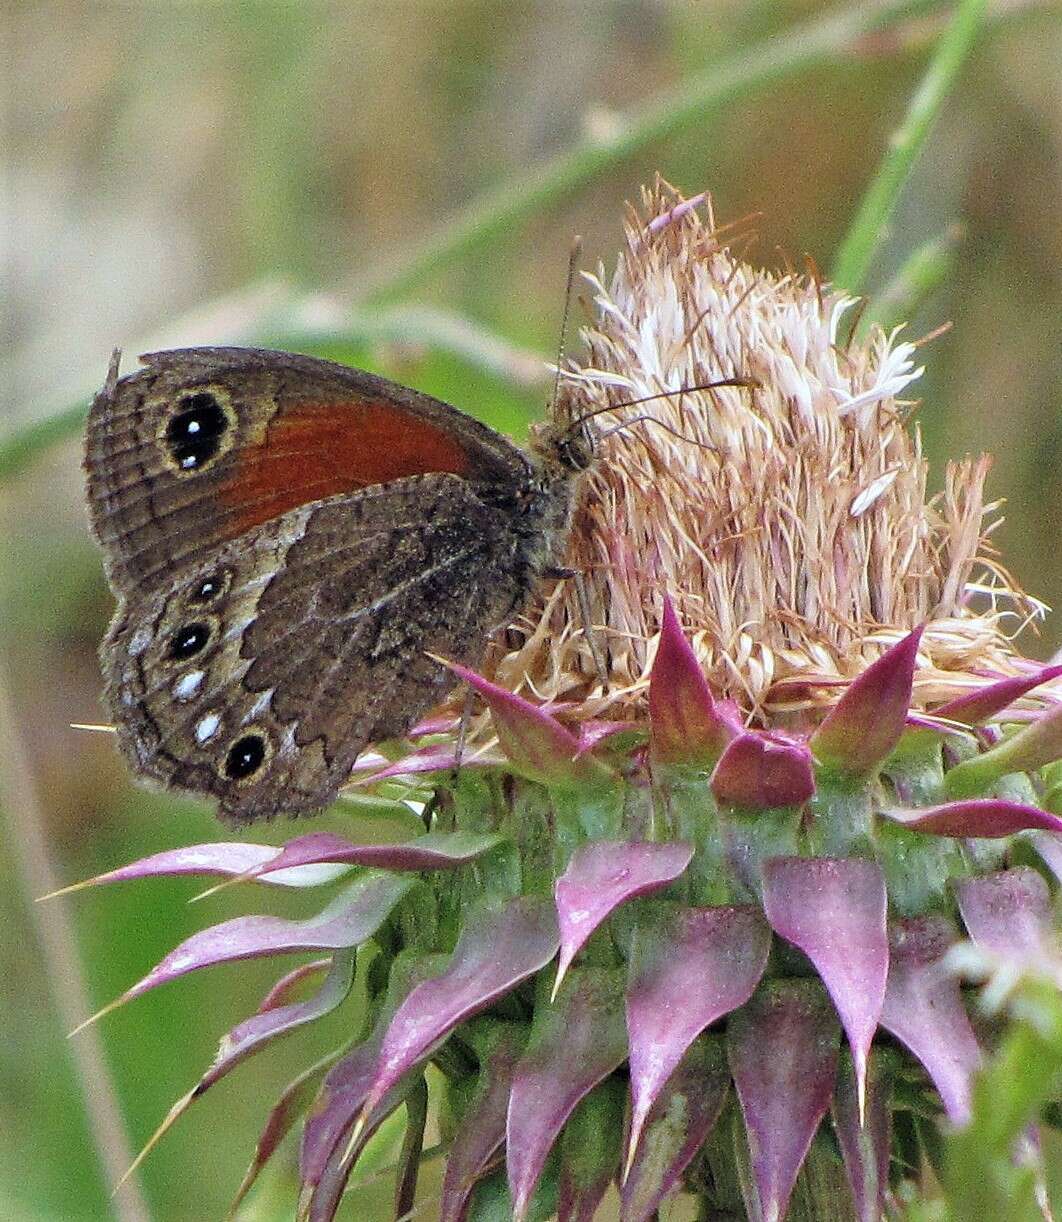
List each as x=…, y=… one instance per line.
x=800, y=47
x=448, y=331
x=22, y=445
x=868, y=228
x=60, y=965
x=280, y=326
x=240, y=317
x=921, y=273
x=412, y=1148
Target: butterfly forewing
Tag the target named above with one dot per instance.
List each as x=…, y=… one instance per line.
x=206, y=443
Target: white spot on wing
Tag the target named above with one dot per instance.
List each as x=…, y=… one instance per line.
x=239, y=626
x=139, y=641
x=187, y=685
x=207, y=728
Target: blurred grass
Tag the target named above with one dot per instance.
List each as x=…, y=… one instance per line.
x=869, y=226
x=166, y=155
x=502, y=209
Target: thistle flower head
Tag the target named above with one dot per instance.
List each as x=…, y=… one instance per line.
x=689, y=930
x=788, y=517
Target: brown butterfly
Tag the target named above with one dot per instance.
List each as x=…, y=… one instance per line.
x=288, y=539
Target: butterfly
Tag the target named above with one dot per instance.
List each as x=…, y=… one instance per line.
x=288, y=540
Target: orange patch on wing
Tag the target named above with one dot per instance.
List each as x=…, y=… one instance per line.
x=316, y=450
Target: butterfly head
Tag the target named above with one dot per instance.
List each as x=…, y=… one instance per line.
x=569, y=446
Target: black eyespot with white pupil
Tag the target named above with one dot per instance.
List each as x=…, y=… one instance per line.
x=188, y=640
x=246, y=755
x=208, y=589
x=194, y=432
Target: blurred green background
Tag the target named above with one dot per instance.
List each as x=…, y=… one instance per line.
x=268, y=172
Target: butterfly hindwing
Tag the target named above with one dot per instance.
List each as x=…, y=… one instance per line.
x=261, y=673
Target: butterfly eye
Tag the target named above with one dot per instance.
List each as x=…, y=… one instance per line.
x=188, y=640
x=246, y=756
x=194, y=433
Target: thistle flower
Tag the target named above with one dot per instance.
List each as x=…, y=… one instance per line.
x=682, y=927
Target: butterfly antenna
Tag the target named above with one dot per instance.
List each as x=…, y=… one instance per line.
x=647, y=419
x=573, y=259
x=746, y=382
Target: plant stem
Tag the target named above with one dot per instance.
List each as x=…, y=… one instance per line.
x=517, y=199
x=235, y=318
x=512, y=202
x=869, y=227
x=922, y=272
x=284, y=325
x=61, y=964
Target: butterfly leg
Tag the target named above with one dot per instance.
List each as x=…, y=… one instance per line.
x=462, y=731
x=582, y=596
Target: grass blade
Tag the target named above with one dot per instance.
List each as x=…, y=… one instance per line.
x=871, y=221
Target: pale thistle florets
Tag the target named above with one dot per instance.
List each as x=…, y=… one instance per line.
x=788, y=517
